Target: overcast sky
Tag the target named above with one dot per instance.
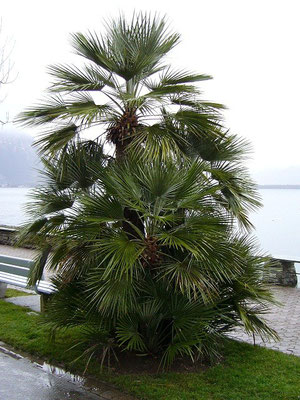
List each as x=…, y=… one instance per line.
x=251, y=48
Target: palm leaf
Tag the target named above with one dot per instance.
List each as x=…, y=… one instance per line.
x=71, y=78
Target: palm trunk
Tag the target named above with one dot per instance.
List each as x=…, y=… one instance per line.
x=121, y=137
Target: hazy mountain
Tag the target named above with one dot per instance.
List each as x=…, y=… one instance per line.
x=18, y=159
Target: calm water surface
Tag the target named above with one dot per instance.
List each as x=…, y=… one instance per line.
x=278, y=222
x=12, y=202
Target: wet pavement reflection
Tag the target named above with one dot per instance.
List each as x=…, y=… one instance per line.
x=25, y=379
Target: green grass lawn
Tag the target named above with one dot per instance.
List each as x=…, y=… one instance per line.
x=15, y=293
x=247, y=372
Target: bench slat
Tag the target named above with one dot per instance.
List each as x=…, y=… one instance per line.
x=45, y=284
x=42, y=286
x=13, y=269
x=13, y=279
x=46, y=290
x=20, y=262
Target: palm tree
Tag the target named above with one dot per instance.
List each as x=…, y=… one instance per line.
x=146, y=106
x=172, y=288
x=143, y=239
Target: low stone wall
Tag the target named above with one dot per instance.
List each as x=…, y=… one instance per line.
x=7, y=235
x=282, y=272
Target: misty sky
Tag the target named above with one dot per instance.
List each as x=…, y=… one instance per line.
x=250, y=47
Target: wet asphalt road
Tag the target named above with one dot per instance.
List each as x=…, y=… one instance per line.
x=21, y=379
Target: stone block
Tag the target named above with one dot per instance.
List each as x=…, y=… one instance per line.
x=283, y=273
x=3, y=287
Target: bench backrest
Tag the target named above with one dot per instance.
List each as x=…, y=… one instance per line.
x=15, y=265
x=15, y=271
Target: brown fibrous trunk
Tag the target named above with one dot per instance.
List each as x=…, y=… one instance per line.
x=120, y=134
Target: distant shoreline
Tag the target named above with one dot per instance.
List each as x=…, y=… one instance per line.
x=278, y=186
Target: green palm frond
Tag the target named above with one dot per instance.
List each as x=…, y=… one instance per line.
x=120, y=255
x=47, y=201
x=78, y=107
x=101, y=208
x=159, y=90
x=155, y=142
x=238, y=192
x=72, y=79
x=128, y=334
x=198, y=124
x=130, y=49
x=188, y=277
x=113, y=297
x=54, y=141
x=170, y=77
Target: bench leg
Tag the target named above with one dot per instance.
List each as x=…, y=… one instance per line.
x=44, y=298
x=3, y=287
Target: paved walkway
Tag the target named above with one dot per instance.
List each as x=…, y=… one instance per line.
x=24, y=379
x=285, y=320
x=32, y=302
x=17, y=251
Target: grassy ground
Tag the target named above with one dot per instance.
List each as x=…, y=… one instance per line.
x=15, y=293
x=247, y=373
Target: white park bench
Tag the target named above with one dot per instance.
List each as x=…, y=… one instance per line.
x=15, y=271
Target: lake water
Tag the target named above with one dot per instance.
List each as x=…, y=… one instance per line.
x=12, y=202
x=277, y=223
